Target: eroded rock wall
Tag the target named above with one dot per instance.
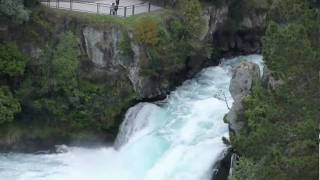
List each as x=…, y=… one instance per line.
x=234, y=37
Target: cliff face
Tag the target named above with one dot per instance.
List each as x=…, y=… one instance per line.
x=235, y=35
x=102, y=54
x=102, y=46
x=243, y=78
x=103, y=49
x=111, y=61
x=110, y=55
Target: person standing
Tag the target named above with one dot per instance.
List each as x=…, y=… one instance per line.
x=117, y=6
x=112, y=9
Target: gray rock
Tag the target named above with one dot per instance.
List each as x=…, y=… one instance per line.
x=217, y=17
x=241, y=38
x=235, y=117
x=268, y=80
x=102, y=46
x=255, y=20
x=145, y=86
x=243, y=78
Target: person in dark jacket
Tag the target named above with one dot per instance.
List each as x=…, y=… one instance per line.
x=117, y=6
x=112, y=9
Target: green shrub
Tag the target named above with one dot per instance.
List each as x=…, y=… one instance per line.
x=147, y=31
x=59, y=94
x=9, y=106
x=176, y=28
x=191, y=14
x=281, y=137
x=244, y=170
x=14, y=10
x=12, y=61
x=125, y=46
x=65, y=63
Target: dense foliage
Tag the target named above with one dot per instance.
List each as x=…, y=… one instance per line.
x=9, y=106
x=162, y=36
x=12, y=61
x=281, y=141
x=14, y=10
x=53, y=92
x=191, y=13
x=59, y=94
x=147, y=32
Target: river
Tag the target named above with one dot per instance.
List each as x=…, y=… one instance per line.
x=177, y=138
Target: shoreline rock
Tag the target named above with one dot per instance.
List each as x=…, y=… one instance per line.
x=243, y=78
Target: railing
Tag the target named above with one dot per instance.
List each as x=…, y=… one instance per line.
x=100, y=8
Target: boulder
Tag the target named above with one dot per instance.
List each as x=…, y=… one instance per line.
x=243, y=78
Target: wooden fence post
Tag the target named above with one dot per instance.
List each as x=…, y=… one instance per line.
x=71, y=5
x=133, y=10
x=58, y=4
x=149, y=7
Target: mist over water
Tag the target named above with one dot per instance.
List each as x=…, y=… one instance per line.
x=178, y=138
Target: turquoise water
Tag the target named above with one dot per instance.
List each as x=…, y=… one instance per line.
x=178, y=138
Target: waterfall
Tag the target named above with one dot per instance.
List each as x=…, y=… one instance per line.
x=178, y=138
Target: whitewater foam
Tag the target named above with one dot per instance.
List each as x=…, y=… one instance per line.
x=179, y=139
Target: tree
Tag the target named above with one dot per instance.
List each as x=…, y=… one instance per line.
x=58, y=93
x=14, y=10
x=281, y=140
x=12, y=61
x=147, y=32
x=191, y=13
x=65, y=64
x=60, y=71
x=9, y=106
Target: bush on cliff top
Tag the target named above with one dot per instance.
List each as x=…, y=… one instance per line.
x=191, y=14
x=147, y=31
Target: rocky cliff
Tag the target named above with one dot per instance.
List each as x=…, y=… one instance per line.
x=102, y=53
x=234, y=33
x=111, y=55
x=244, y=77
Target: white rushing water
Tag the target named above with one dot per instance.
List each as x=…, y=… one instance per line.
x=179, y=138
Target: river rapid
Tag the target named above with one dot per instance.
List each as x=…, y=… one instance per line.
x=179, y=138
